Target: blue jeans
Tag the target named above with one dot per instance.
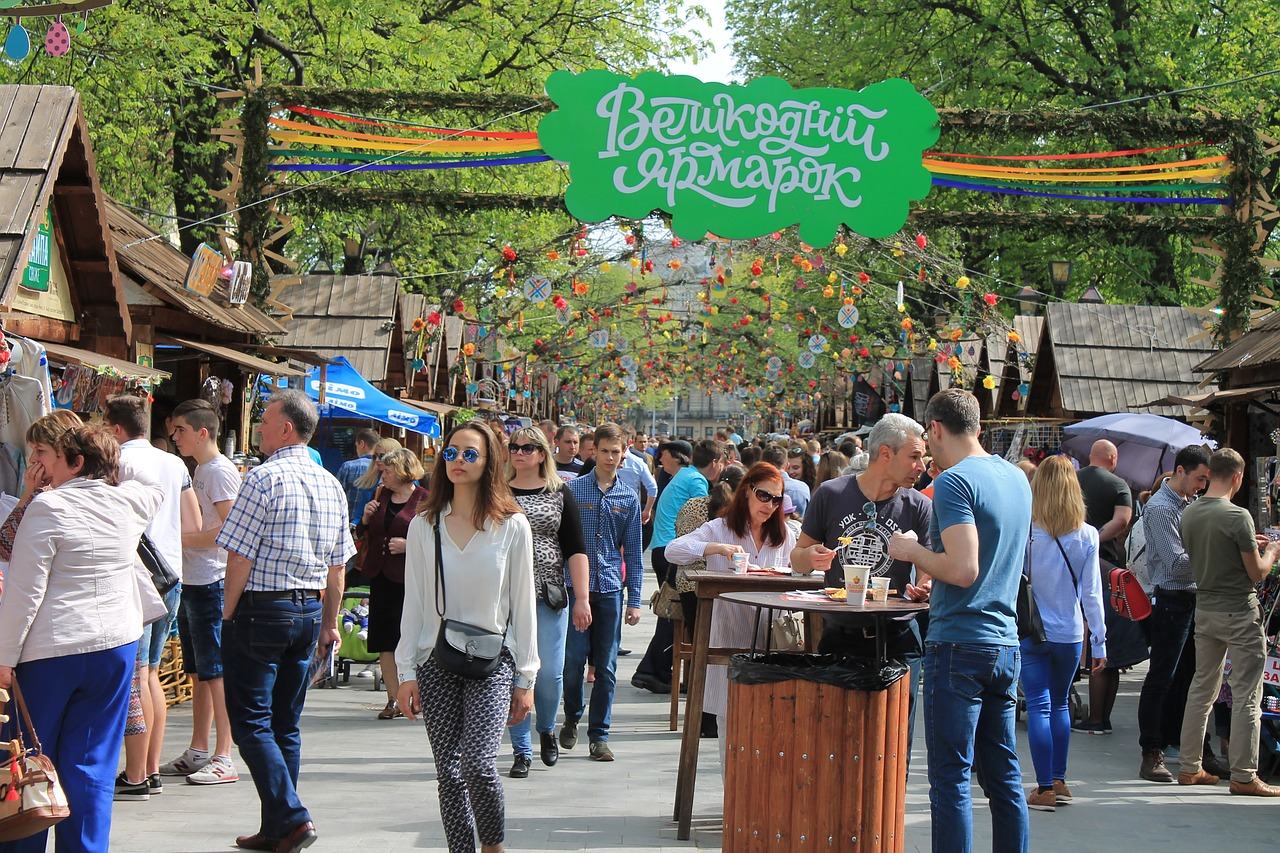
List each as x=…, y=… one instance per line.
x=267, y=648
x=200, y=630
x=1048, y=671
x=601, y=639
x=552, y=627
x=156, y=635
x=969, y=698
x=1161, y=703
x=78, y=705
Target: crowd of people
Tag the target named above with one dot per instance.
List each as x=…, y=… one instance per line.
x=500, y=577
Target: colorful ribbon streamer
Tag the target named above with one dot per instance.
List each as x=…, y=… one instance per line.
x=409, y=128
x=961, y=185
x=408, y=167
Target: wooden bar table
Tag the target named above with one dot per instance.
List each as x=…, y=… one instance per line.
x=815, y=766
x=709, y=586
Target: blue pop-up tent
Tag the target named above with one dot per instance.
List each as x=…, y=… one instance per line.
x=346, y=391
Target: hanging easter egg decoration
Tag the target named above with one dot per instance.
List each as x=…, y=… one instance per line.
x=537, y=289
x=18, y=44
x=82, y=24
x=774, y=363
x=807, y=360
x=817, y=343
x=473, y=387
x=1024, y=389
x=849, y=316
x=564, y=316
x=762, y=392
x=58, y=41
x=599, y=338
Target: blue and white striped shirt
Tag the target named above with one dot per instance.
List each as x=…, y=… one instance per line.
x=611, y=532
x=290, y=521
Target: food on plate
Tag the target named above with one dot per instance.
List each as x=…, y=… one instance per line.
x=840, y=594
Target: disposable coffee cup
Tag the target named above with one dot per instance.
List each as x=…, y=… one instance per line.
x=879, y=589
x=740, y=563
x=855, y=584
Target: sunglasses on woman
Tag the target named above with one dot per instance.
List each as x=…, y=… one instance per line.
x=523, y=449
x=766, y=497
x=470, y=455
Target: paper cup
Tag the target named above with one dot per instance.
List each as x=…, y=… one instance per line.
x=855, y=584
x=879, y=589
x=740, y=563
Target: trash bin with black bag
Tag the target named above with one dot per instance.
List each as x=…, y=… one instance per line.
x=816, y=753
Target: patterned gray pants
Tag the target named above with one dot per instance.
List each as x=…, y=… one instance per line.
x=465, y=721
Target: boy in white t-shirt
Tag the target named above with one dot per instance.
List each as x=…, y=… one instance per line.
x=216, y=481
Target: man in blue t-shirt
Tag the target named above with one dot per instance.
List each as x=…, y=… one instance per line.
x=980, y=530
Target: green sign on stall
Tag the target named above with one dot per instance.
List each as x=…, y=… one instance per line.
x=740, y=161
x=36, y=275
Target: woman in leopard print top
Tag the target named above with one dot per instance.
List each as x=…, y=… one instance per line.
x=557, y=540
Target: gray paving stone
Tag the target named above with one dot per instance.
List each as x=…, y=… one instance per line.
x=370, y=785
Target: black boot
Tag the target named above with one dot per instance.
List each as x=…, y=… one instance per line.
x=550, y=749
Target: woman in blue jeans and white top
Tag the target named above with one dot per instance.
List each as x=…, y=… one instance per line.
x=557, y=538
x=1065, y=580
x=486, y=553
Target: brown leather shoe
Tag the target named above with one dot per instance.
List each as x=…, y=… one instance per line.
x=1255, y=787
x=1200, y=777
x=303, y=835
x=257, y=841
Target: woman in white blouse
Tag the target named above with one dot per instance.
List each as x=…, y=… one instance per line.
x=487, y=556
x=752, y=524
x=71, y=616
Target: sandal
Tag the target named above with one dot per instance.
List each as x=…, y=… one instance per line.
x=390, y=712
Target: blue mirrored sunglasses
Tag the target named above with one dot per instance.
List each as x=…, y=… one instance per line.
x=470, y=455
x=869, y=510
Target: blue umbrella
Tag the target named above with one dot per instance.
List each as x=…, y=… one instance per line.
x=1146, y=444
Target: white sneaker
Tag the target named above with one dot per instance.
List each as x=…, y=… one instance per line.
x=217, y=772
x=187, y=763
x=367, y=672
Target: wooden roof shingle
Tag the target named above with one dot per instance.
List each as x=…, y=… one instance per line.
x=1118, y=358
x=345, y=315
x=162, y=270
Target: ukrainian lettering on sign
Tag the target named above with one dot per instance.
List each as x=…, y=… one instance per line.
x=740, y=161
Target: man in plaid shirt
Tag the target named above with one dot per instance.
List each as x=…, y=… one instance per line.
x=288, y=542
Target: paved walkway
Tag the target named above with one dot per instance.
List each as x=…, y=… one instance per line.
x=370, y=786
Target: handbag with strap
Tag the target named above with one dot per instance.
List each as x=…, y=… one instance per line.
x=31, y=798
x=467, y=651
x=1128, y=598
x=162, y=574
x=665, y=603
x=362, y=541
x=1030, y=625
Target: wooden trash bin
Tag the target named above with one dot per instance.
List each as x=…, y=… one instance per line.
x=811, y=766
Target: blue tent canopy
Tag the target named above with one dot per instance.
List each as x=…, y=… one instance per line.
x=346, y=391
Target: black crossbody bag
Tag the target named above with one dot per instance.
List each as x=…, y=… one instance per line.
x=465, y=650
x=1030, y=625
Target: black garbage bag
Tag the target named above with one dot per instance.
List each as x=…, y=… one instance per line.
x=851, y=673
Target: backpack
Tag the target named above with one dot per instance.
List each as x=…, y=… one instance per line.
x=1136, y=554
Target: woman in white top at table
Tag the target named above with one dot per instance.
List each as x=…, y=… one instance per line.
x=486, y=554
x=752, y=524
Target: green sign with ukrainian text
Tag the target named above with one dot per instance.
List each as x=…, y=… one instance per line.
x=740, y=161
x=36, y=275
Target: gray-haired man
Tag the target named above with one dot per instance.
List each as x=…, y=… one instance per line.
x=288, y=542
x=853, y=516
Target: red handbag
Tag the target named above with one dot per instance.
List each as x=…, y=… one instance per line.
x=1127, y=595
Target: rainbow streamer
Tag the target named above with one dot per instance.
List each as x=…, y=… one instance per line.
x=344, y=150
